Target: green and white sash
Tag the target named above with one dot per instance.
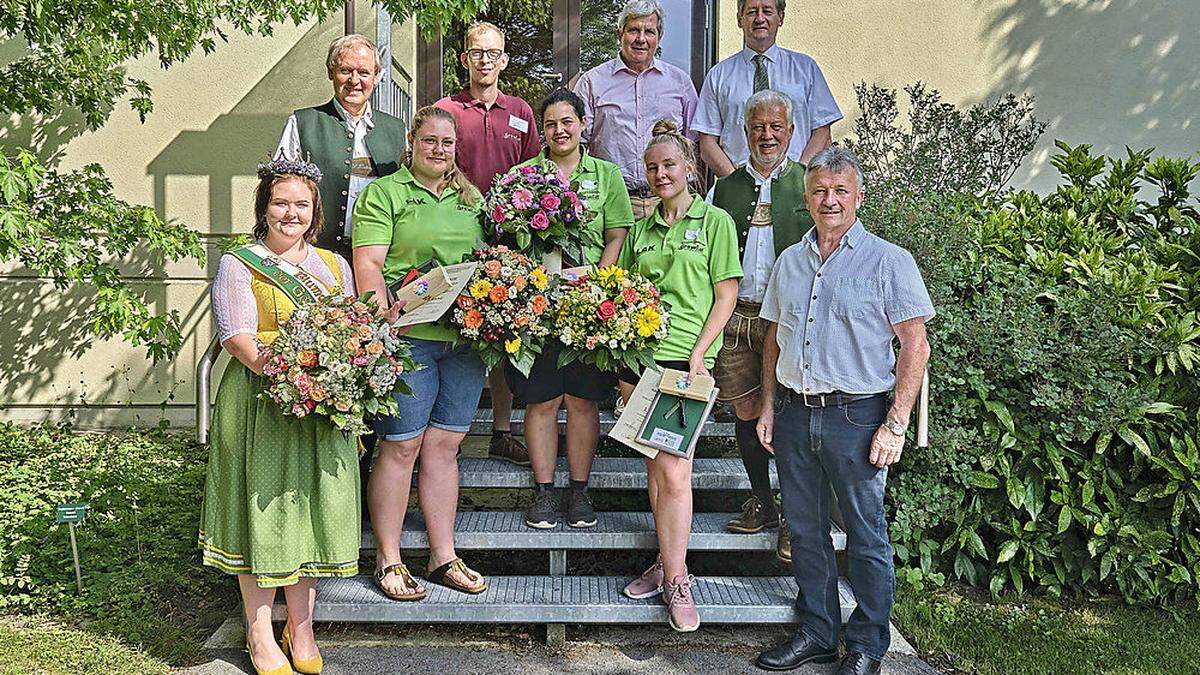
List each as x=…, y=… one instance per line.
x=300, y=286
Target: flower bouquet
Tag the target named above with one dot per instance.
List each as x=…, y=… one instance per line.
x=542, y=210
x=504, y=311
x=336, y=358
x=611, y=318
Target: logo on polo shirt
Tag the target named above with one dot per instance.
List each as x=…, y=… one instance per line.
x=644, y=249
x=414, y=201
x=692, y=241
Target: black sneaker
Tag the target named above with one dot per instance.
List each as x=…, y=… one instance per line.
x=579, y=508
x=543, y=512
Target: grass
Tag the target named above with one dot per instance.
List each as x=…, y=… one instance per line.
x=31, y=645
x=963, y=630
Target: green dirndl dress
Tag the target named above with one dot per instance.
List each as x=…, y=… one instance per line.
x=282, y=498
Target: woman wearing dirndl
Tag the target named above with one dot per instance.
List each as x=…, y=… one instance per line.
x=281, y=502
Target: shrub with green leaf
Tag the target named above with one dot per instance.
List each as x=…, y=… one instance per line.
x=1065, y=416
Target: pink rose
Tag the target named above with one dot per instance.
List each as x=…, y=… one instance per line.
x=550, y=202
x=522, y=199
x=528, y=169
x=299, y=410
x=629, y=295
x=606, y=311
x=540, y=221
x=591, y=342
x=498, y=214
x=361, y=360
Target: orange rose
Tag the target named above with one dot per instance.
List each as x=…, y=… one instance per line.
x=465, y=302
x=498, y=294
x=473, y=319
x=521, y=320
x=539, y=304
x=520, y=282
x=492, y=267
x=374, y=347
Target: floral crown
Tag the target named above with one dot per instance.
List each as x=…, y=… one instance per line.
x=283, y=165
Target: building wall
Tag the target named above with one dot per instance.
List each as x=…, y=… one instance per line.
x=1111, y=73
x=215, y=117
x=1106, y=72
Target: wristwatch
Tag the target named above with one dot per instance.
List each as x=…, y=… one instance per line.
x=894, y=427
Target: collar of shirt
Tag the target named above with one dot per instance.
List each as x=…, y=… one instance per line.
x=405, y=175
x=587, y=163
x=854, y=235
x=772, y=54
x=618, y=65
x=467, y=101
x=697, y=210
x=759, y=178
x=367, y=118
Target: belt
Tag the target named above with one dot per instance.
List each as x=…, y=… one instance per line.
x=835, y=398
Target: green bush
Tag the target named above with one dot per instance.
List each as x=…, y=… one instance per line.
x=1065, y=451
x=141, y=573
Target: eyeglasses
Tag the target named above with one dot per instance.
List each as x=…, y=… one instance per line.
x=477, y=55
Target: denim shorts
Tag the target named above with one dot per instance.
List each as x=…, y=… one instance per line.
x=445, y=392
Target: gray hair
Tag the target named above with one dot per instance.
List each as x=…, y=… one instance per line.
x=346, y=42
x=779, y=4
x=636, y=9
x=766, y=97
x=836, y=160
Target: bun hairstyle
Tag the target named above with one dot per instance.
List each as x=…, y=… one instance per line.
x=455, y=178
x=667, y=131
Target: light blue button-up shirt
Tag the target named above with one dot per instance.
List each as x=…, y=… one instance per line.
x=835, y=317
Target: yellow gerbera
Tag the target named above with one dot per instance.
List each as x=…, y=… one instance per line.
x=647, y=321
x=511, y=346
x=480, y=289
x=539, y=279
x=609, y=276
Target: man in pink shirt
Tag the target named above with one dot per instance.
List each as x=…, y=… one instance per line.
x=624, y=97
x=495, y=133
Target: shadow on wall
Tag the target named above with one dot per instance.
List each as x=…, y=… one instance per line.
x=46, y=136
x=1110, y=73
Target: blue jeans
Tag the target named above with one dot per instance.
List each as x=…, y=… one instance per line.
x=817, y=449
x=445, y=393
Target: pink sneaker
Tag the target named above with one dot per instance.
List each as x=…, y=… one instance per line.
x=681, y=608
x=649, y=584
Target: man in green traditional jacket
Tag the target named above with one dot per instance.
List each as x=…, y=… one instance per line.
x=351, y=143
x=766, y=199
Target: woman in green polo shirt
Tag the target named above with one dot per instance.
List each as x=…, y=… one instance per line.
x=688, y=249
x=578, y=385
x=427, y=210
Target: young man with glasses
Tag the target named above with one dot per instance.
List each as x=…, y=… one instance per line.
x=495, y=133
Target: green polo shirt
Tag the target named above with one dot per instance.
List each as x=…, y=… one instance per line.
x=603, y=188
x=684, y=261
x=417, y=226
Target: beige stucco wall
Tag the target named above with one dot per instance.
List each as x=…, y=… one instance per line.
x=1105, y=72
x=215, y=117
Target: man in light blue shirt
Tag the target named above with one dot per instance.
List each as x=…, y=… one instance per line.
x=836, y=301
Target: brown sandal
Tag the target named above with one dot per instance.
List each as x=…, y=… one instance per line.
x=405, y=577
x=439, y=576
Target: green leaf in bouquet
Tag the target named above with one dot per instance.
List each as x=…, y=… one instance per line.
x=372, y=406
x=523, y=361
x=523, y=239
x=567, y=356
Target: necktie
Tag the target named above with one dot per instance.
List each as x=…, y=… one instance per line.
x=761, y=81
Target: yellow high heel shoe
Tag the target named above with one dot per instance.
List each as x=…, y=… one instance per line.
x=285, y=669
x=311, y=666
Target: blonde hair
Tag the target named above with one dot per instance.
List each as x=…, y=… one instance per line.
x=346, y=42
x=481, y=27
x=454, y=178
x=667, y=131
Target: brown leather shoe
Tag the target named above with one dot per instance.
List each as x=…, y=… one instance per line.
x=783, y=546
x=508, y=448
x=753, y=518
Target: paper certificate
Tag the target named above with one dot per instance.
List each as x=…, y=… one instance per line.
x=437, y=289
x=626, y=429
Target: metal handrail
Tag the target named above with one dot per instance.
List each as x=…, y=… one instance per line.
x=203, y=376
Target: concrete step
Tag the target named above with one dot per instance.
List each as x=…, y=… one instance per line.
x=501, y=530
x=550, y=599
x=618, y=473
x=482, y=424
